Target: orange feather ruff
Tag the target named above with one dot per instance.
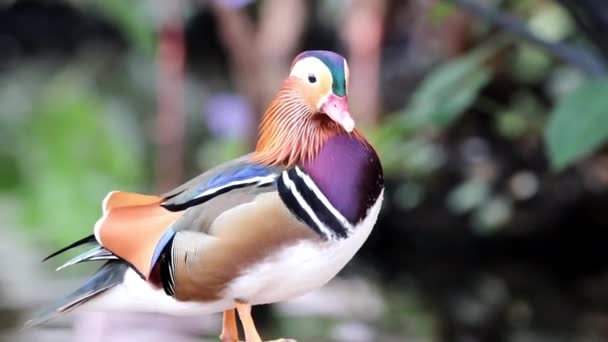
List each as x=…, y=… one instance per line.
x=292, y=130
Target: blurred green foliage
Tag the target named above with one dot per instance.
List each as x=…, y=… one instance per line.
x=579, y=124
x=554, y=105
x=46, y=108
x=440, y=11
x=135, y=19
x=448, y=91
x=66, y=144
x=445, y=94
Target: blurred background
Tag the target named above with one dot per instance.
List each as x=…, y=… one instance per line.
x=490, y=117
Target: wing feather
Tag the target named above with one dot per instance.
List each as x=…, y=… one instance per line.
x=137, y=227
x=216, y=182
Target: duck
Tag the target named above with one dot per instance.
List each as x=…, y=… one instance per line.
x=271, y=225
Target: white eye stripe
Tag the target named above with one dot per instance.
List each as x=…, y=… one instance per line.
x=310, y=66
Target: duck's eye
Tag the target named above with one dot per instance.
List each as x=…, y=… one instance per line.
x=312, y=78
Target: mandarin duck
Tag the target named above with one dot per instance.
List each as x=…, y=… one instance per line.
x=263, y=228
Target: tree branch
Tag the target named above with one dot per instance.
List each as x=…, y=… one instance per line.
x=577, y=57
x=591, y=18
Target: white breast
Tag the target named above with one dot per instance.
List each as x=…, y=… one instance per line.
x=301, y=268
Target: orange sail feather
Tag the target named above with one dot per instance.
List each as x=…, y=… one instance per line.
x=132, y=226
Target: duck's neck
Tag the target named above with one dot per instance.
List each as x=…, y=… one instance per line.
x=291, y=131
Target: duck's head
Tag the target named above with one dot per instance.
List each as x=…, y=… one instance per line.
x=321, y=77
x=310, y=108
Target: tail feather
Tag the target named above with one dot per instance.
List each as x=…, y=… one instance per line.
x=109, y=275
x=94, y=254
x=85, y=241
x=126, y=236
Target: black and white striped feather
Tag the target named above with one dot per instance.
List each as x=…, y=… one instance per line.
x=306, y=201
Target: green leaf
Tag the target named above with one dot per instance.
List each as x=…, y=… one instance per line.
x=449, y=90
x=578, y=124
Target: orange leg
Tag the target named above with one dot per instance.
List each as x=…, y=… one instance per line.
x=251, y=333
x=230, y=333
